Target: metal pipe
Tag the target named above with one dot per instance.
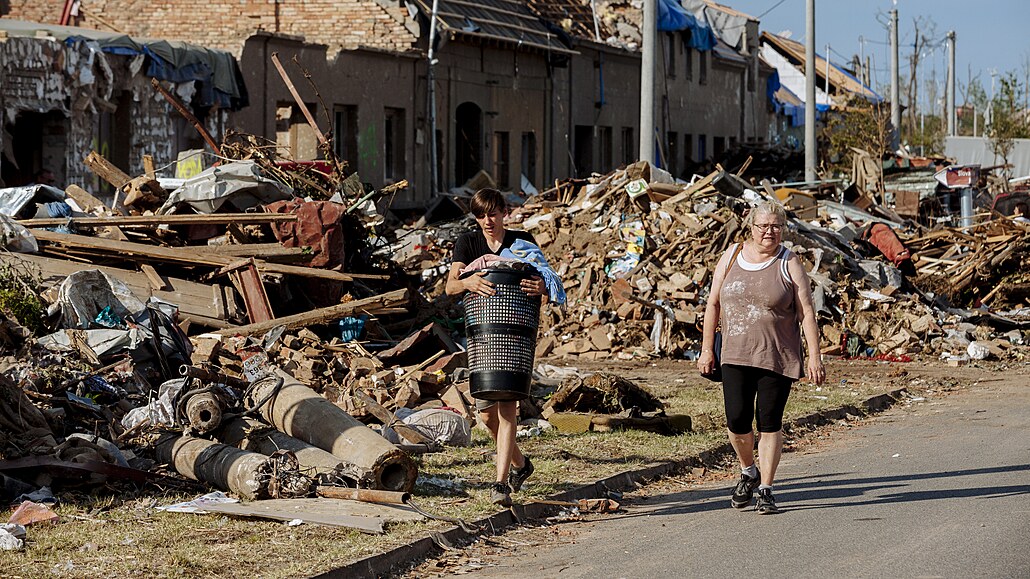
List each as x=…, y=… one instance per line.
x=207, y=376
x=363, y=495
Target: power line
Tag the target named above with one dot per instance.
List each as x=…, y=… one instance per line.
x=774, y=7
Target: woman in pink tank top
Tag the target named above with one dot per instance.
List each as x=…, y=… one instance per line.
x=762, y=298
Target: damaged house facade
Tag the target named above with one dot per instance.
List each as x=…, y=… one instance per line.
x=67, y=91
x=526, y=91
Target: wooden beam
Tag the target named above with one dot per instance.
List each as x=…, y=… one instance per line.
x=133, y=251
x=300, y=102
x=187, y=115
x=172, y=219
x=106, y=170
x=324, y=315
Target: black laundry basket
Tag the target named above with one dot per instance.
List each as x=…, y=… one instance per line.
x=501, y=331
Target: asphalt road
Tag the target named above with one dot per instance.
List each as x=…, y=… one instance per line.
x=940, y=488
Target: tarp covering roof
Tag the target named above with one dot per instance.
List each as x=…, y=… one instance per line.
x=672, y=17
x=216, y=72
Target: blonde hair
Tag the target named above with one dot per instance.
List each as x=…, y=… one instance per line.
x=765, y=208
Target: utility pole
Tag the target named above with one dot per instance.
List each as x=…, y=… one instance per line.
x=826, y=81
x=952, y=117
x=864, y=77
x=649, y=32
x=895, y=83
x=811, y=153
x=434, y=179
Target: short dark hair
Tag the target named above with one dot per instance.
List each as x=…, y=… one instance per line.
x=1021, y=207
x=486, y=201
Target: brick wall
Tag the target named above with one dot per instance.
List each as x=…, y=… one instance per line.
x=226, y=24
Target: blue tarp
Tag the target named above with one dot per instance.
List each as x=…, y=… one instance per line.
x=219, y=80
x=672, y=17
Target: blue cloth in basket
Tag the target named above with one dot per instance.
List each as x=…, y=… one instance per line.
x=526, y=252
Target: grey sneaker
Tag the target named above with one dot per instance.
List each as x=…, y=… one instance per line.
x=518, y=476
x=500, y=494
x=766, y=505
x=744, y=490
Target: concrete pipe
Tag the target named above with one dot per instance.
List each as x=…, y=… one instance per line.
x=256, y=436
x=299, y=411
x=204, y=412
x=227, y=468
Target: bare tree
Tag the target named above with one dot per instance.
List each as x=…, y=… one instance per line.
x=925, y=36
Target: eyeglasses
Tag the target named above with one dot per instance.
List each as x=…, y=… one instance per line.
x=774, y=227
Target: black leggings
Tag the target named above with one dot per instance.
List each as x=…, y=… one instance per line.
x=741, y=385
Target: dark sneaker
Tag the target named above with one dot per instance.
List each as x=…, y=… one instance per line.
x=518, y=476
x=744, y=490
x=500, y=494
x=766, y=505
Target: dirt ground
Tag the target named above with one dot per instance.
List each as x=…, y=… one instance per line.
x=923, y=380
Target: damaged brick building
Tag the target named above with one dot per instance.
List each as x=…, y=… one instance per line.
x=529, y=91
x=65, y=91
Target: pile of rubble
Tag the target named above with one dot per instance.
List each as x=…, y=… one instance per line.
x=636, y=248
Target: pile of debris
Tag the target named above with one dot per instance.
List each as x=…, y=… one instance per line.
x=636, y=249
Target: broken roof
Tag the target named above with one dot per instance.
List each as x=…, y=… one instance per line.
x=508, y=21
x=575, y=17
x=794, y=55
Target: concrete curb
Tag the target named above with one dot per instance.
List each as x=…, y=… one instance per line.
x=383, y=564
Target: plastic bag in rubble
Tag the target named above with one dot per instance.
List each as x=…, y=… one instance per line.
x=16, y=237
x=978, y=351
x=85, y=295
x=159, y=411
x=444, y=426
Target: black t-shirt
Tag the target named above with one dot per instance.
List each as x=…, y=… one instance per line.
x=472, y=245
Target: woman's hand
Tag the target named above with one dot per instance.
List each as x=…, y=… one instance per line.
x=477, y=284
x=706, y=362
x=816, y=371
x=534, y=286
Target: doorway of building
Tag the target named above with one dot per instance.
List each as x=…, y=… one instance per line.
x=32, y=143
x=468, y=154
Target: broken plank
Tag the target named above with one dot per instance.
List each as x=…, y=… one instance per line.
x=156, y=281
x=691, y=189
x=106, y=170
x=152, y=220
x=90, y=204
x=325, y=315
x=130, y=250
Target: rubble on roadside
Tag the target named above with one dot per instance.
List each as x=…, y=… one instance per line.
x=227, y=333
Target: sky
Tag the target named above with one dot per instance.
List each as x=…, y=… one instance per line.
x=990, y=34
